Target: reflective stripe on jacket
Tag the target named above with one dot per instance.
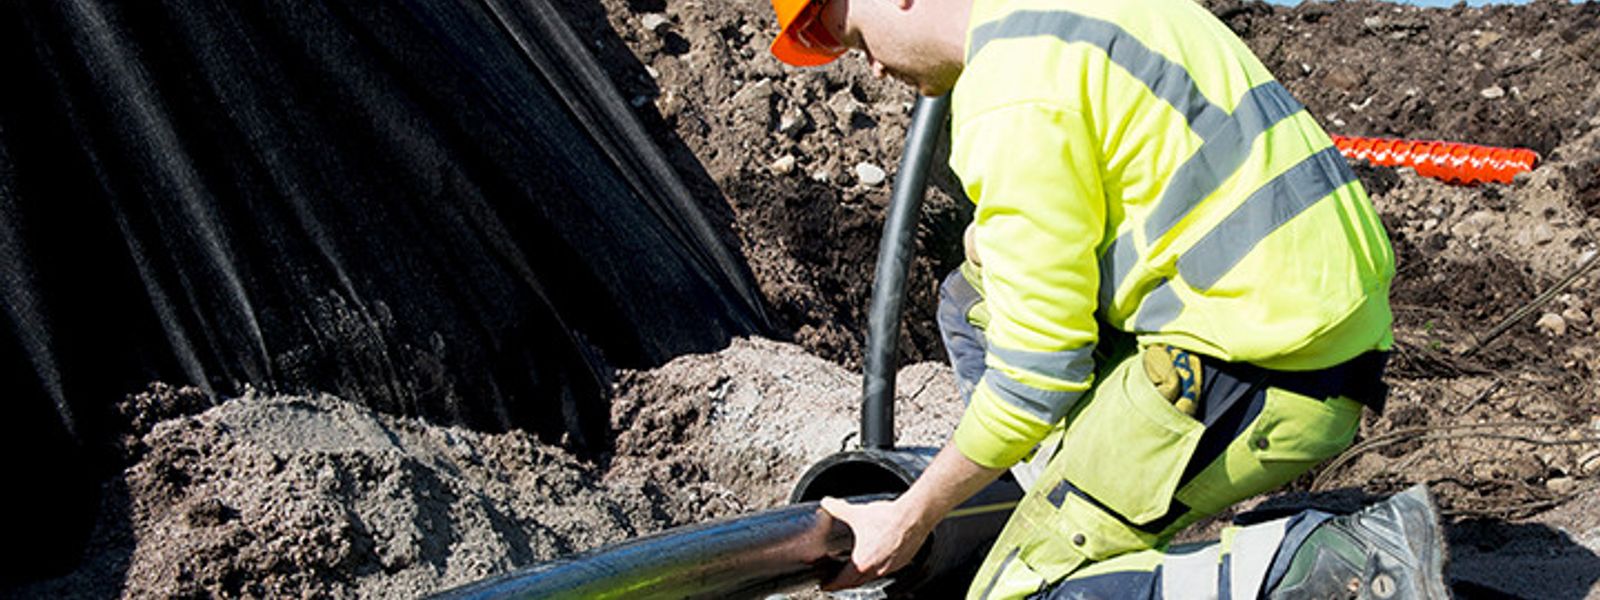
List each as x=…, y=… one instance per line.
x=1132, y=161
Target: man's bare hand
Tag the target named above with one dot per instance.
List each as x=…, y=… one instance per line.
x=887, y=534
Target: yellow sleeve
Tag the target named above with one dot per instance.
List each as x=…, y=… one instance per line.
x=1034, y=170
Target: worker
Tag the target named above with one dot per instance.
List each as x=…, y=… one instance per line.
x=1175, y=298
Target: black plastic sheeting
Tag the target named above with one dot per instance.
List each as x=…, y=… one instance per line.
x=436, y=208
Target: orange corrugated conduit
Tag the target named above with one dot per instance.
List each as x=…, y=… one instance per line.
x=1451, y=162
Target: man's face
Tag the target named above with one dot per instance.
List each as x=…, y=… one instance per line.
x=888, y=34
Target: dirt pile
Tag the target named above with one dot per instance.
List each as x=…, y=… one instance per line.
x=268, y=496
x=284, y=496
x=733, y=431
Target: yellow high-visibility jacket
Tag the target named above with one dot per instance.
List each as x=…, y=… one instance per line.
x=1133, y=162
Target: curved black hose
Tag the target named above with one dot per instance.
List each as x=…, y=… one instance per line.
x=894, y=262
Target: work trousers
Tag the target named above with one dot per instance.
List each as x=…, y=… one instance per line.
x=1126, y=470
x=1244, y=564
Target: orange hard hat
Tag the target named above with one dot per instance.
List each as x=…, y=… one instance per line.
x=803, y=41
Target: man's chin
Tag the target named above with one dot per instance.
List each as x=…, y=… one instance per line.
x=932, y=85
x=931, y=90
x=925, y=85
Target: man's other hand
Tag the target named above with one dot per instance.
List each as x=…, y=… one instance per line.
x=887, y=536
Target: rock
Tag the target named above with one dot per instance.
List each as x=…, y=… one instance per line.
x=1575, y=315
x=1541, y=234
x=844, y=107
x=783, y=166
x=1485, y=471
x=794, y=122
x=754, y=102
x=1492, y=92
x=1488, y=39
x=1476, y=223
x=1552, y=324
x=654, y=21
x=1372, y=22
x=1580, y=353
x=870, y=174
x=1342, y=78
x=1562, y=485
x=1589, y=465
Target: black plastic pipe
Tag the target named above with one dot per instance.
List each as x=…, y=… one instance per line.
x=743, y=557
x=894, y=262
x=950, y=557
x=768, y=552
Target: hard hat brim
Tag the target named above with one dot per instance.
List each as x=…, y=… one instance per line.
x=792, y=51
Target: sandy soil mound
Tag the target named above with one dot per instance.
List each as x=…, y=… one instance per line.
x=282, y=496
x=735, y=430
x=292, y=496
